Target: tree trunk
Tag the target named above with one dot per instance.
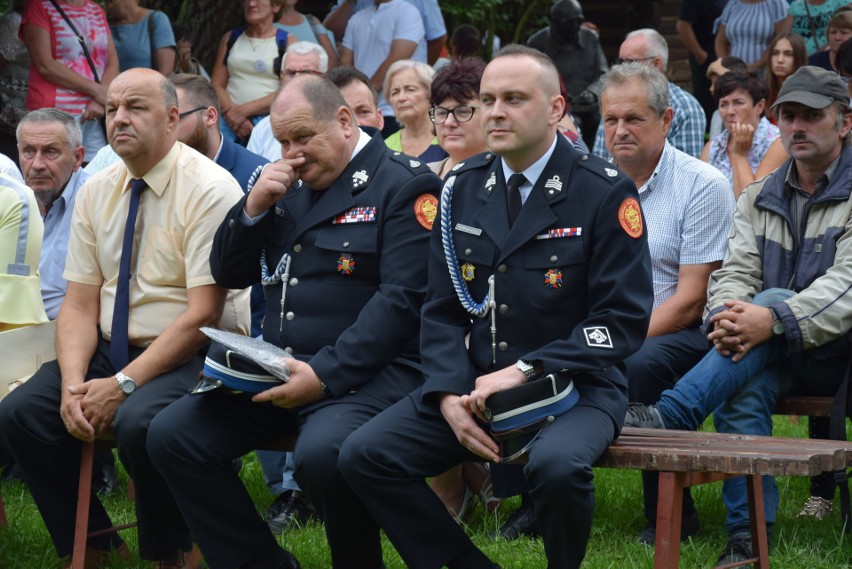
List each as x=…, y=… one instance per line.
x=208, y=20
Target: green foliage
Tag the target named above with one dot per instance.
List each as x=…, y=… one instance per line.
x=512, y=21
x=25, y=544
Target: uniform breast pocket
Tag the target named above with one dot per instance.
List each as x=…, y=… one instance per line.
x=161, y=259
x=476, y=258
x=351, y=250
x=555, y=272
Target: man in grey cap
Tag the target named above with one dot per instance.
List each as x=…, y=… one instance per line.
x=780, y=305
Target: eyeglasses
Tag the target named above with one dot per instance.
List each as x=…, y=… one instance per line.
x=462, y=113
x=293, y=72
x=187, y=113
x=621, y=60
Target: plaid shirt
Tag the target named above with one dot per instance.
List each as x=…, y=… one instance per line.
x=687, y=130
x=687, y=206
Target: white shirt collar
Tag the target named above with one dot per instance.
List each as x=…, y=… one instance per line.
x=532, y=173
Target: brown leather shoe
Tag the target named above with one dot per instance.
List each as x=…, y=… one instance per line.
x=98, y=558
x=182, y=559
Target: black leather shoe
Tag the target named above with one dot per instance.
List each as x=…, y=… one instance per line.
x=521, y=522
x=688, y=528
x=737, y=550
x=104, y=480
x=290, y=509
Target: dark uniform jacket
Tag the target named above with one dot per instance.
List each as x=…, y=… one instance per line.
x=357, y=276
x=572, y=278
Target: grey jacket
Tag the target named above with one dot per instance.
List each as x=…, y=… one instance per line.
x=763, y=253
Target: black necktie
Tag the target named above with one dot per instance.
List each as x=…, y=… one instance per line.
x=118, y=345
x=513, y=196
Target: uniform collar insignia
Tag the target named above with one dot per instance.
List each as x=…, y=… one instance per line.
x=553, y=185
x=414, y=163
x=610, y=172
x=491, y=182
x=457, y=166
x=359, y=178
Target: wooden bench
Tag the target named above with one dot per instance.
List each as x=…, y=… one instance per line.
x=804, y=406
x=688, y=458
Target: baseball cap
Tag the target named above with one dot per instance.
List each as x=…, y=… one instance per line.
x=813, y=87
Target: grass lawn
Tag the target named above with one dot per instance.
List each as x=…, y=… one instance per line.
x=25, y=544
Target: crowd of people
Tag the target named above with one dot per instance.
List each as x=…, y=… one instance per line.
x=428, y=237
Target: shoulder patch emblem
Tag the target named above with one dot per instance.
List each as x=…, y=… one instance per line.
x=425, y=210
x=630, y=217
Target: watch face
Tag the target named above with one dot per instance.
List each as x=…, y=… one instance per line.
x=778, y=328
x=127, y=386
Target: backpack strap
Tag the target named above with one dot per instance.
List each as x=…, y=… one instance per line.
x=151, y=34
x=281, y=40
x=235, y=33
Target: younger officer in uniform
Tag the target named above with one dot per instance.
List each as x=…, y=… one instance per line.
x=338, y=230
x=562, y=306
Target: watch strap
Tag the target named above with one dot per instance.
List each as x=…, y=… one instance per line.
x=121, y=379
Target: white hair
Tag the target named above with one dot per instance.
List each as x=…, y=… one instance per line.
x=657, y=45
x=307, y=48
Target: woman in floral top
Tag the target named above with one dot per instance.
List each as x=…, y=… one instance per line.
x=60, y=73
x=749, y=147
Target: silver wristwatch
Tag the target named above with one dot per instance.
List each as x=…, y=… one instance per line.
x=527, y=368
x=126, y=384
x=777, y=325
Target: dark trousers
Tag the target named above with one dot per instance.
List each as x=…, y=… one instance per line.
x=822, y=485
x=655, y=367
x=194, y=441
x=701, y=85
x=386, y=462
x=33, y=432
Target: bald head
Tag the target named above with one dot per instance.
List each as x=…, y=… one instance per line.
x=645, y=46
x=141, y=117
x=316, y=129
x=547, y=72
x=321, y=94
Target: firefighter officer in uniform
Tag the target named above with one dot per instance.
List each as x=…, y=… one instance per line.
x=338, y=233
x=563, y=289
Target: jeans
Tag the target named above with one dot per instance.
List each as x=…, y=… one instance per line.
x=652, y=369
x=742, y=396
x=277, y=467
